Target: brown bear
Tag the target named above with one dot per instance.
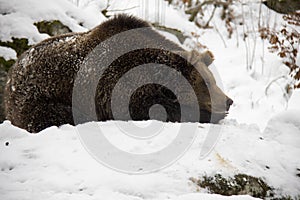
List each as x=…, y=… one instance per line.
x=40, y=87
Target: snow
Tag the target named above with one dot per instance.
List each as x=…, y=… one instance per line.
x=258, y=93
x=294, y=100
x=7, y=53
x=54, y=164
x=260, y=137
x=20, y=17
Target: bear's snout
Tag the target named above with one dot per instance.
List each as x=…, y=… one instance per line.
x=229, y=102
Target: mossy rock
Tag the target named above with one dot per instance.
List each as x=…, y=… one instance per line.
x=286, y=198
x=180, y=36
x=4, y=67
x=18, y=44
x=240, y=184
x=6, y=64
x=3, y=75
x=52, y=28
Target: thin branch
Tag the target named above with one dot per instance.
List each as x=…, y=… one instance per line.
x=255, y=38
x=220, y=35
x=198, y=8
x=273, y=81
x=211, y=16
x=118, y=10
x=245, y=39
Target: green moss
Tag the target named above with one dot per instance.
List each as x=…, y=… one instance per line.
x=52, y=28
x=3, y=75
x=4, y=67
x=240, y=184
x=18, y=44
x=6, y=64
x=283, y=198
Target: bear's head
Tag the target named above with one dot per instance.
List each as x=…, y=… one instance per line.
x=157, y=83
x=213, y=103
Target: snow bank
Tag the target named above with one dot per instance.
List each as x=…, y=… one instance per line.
x=18, y=17
x=54, y=163
x=7, y=53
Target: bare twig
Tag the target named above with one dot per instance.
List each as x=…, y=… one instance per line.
x=211, y=16
x=198, y=8
x=254, y=35
x=220, y=35
x=245, y=39
x=118, y=10
x=284, y=90
x=274, y=81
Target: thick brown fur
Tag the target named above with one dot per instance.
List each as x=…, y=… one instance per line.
x=39, y=89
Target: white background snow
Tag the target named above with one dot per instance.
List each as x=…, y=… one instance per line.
x=260, y=137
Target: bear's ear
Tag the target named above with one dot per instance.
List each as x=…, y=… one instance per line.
x=194, y=57
x=207, y=57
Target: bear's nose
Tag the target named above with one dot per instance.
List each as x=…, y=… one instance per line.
x=229, y=102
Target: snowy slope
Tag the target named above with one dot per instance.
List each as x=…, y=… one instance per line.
x=260, y=137
x=54, y=165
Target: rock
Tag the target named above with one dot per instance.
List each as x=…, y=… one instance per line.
x=18, y=44
x=52, y=28
x=240, y=184
x=3, y=75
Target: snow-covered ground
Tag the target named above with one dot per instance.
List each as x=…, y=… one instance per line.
x=260, y=137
